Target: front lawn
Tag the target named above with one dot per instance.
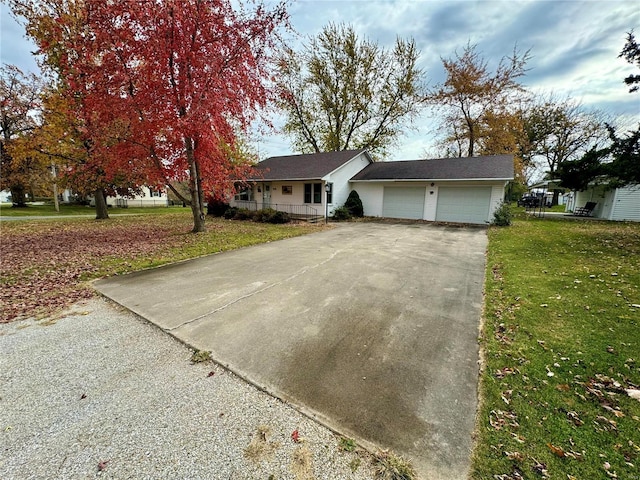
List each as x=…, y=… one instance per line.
x=46, y=264
x=48, y=209
x=561, y=347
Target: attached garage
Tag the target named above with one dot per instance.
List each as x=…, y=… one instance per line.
x=403, y=202
x=463, y=204
x=456, y=190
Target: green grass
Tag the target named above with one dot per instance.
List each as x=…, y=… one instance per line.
x=32, y=210
x=561, y=343
x=556, y=208
x=45, y=264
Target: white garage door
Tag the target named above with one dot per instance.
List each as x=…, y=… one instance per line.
x=403, y=202
x=463, y=204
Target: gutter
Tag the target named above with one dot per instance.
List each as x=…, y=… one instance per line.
x=434, y=180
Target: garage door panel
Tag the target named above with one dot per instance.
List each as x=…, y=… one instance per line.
x=463, y=204
x=403, y=202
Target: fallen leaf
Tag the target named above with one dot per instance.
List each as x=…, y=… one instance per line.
x=615, y=411
x=557, y=450
x=295, y=436
x=517, y=456
x=539, y=468
x=633, y=393
x=102, y=465
x=211, y=373
x=83, y=396
x=573, y=416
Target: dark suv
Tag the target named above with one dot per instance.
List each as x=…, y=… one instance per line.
x=529, y=200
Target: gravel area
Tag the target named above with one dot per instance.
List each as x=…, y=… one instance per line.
x=100, y=393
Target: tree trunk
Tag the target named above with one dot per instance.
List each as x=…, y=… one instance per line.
x=17, y=196
x=102, y=212
x=195, y=189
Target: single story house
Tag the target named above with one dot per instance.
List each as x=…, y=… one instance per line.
x=611, y=203
x=148, y=197
x=462, y=190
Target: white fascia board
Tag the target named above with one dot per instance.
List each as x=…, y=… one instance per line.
x=435, y=180
x=257, y=180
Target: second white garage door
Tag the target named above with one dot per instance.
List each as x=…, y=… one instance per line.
x=403, y=202
x=463, y=204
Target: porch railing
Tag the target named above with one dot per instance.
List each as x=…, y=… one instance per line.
x=296, y=211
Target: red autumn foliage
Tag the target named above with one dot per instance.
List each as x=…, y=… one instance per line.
x=161, y=88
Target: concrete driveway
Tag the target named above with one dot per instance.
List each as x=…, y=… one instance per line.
x=371, y=328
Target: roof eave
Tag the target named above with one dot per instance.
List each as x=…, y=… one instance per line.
x=282, y=179
x=493, y=179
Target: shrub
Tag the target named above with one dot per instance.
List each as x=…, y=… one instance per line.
x=341, y=213
x=217, y=208
x=230, y=213
x=354, y=204
x=267, y=215
x=264, y=215
x=503, y=215
x=245, y=214
x=270, y=215
x=280, y=217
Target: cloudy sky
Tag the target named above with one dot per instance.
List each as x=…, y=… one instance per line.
x=574, y=47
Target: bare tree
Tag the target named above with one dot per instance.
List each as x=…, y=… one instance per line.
x=341, y=92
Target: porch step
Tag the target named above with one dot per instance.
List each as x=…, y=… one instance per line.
x=308, y=218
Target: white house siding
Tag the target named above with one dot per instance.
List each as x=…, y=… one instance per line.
x=340, y=179
x=626, y=205
x=497, y=197
x=145, y=199
x=608, y=203
x=592, y=195
x=371, y=195
x=290, y=203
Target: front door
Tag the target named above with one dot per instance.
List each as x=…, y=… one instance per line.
x=266, y=195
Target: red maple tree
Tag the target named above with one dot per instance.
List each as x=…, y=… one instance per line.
x=165, y=84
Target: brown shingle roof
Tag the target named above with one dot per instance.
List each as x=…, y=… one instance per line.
x=310, y=166
x=466, y=168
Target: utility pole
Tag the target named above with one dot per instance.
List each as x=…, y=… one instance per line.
x=55, y=187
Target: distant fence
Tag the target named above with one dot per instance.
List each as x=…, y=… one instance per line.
x=146, y=202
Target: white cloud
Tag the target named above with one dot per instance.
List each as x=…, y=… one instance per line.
x=574, y=45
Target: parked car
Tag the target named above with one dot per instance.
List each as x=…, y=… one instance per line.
x=529, y=200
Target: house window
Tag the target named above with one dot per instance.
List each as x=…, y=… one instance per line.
x=287, y=190
x=243, y=195
x=155, y=193
x=312, y=193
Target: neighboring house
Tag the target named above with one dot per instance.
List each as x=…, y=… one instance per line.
x=462, y=190
x=148, y=198
x=5, y=196
x=611, y=204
